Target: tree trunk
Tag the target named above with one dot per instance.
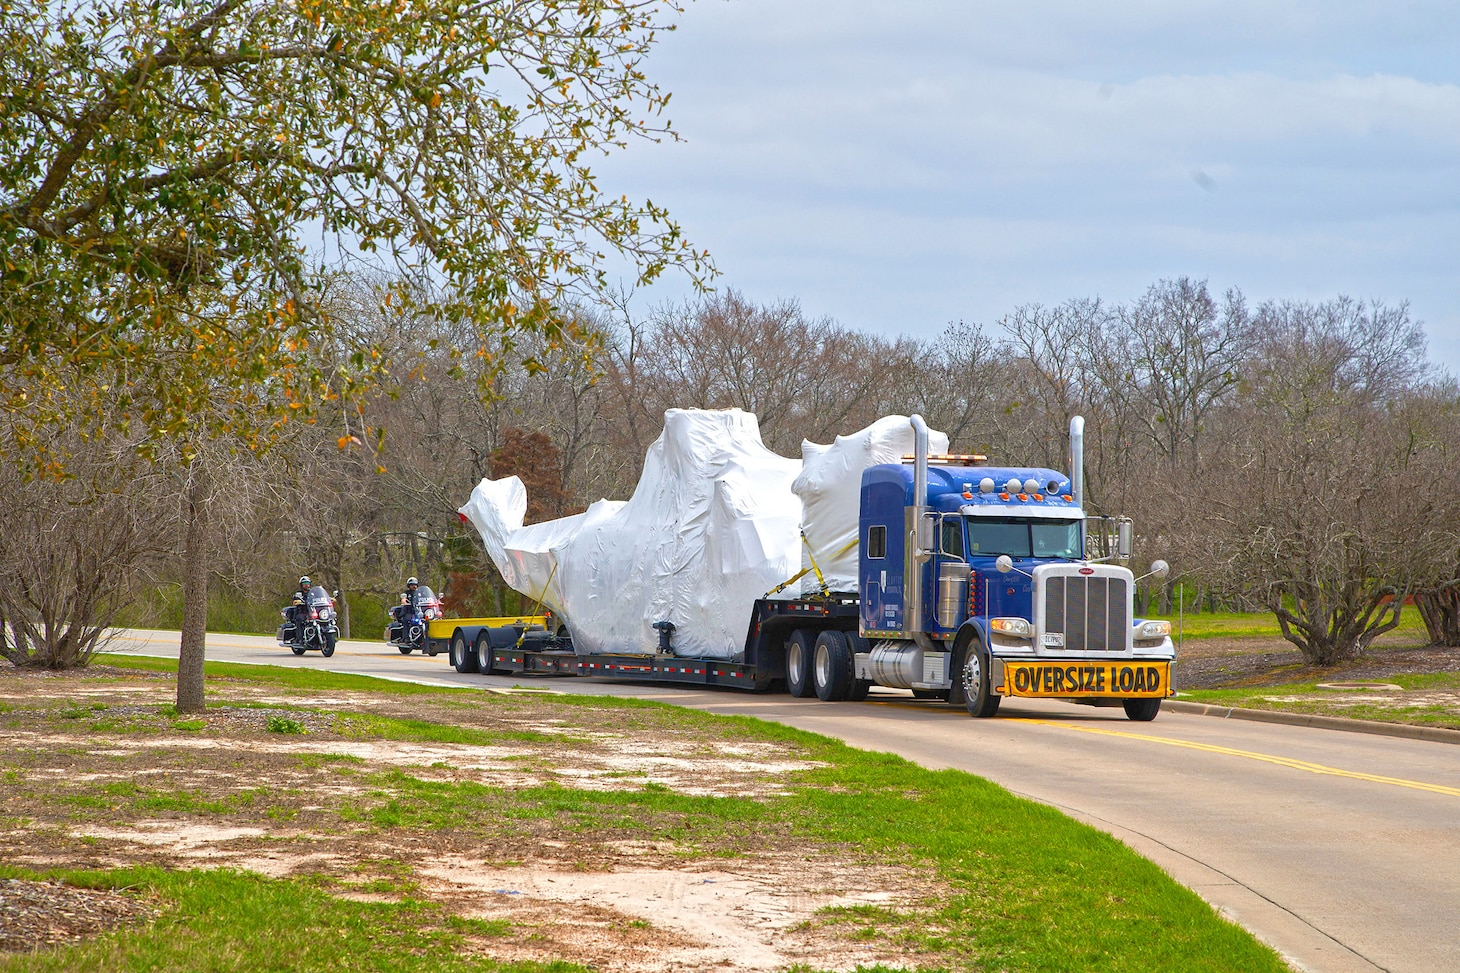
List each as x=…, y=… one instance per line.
x=344, y=613
x=191, y=649
x=1440, y=609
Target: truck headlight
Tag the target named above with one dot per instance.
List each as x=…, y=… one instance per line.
x=1153, y=630
x=1018, y=627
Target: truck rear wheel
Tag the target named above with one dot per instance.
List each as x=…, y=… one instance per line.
x=978, y=696
x=799, y=652
x=1141, y=710
x=463, y=659
x=831, y=670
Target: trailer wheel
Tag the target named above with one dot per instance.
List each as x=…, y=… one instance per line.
x=1141, y=710
x=800, y=650
x=463, y=659
x=831, y=670
x=979, y=698
x=483, y=650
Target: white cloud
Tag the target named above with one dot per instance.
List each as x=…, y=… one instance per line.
x=899, y=165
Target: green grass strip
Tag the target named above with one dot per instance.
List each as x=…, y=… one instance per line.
x=221, y=921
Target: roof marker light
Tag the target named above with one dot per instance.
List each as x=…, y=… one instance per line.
x=1039, y=497
x=1013, y=486
x=1069, y=497
x=1031, y=485
x=1024, y=497
x=986, y=485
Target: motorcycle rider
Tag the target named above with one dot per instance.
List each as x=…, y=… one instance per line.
x=411, y=596
x=301, y=600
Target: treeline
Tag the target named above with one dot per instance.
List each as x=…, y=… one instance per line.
x=1297, y=457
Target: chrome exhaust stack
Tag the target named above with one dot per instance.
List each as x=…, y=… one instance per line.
x=1077, y=473
x=918, y=532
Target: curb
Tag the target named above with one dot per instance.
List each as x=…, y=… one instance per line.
x=1433, y=734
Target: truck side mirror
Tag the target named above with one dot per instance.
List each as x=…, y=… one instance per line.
x=1124, y=535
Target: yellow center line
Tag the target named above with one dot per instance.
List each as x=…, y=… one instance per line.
x=1305, y=765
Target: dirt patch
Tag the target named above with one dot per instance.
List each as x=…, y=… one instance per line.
x=34, y=915
x=100, y=773
x=1219, y=663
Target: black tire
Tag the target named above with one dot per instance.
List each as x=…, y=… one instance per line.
x=800, y=649
x=463, y=659
x=404, y=649
x=430, y=647
x=328, y=649
x=483, y=651
x=979, y=698
x=1141, y=710
x=297, y=649
x=930, y=694
x=831, y=668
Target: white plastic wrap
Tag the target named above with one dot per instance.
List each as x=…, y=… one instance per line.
x=527, y=557
x=712, y=526
x=830, y=489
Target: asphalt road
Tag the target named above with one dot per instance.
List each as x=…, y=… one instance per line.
x=1342, y=850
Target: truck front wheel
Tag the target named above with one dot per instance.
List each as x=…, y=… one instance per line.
x=798, y=664
x=832, y=669
x=979, y=698
x=1141, y=710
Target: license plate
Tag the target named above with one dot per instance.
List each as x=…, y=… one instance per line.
x=1124, y=680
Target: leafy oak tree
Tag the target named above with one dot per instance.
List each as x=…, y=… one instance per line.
x=178, y=179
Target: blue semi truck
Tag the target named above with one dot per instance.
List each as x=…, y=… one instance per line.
x=975, y=582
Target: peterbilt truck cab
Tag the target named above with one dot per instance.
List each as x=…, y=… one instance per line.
x=975, y=583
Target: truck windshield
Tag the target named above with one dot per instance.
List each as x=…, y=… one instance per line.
x=1022, y=537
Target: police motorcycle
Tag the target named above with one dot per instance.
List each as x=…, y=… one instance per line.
x=310, y=623
x=407, y=629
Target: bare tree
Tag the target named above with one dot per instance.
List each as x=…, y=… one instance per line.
x=1320, y=487
x=73, y=549
x=1182, y=355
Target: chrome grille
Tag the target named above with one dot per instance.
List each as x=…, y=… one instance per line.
x=1089, y=611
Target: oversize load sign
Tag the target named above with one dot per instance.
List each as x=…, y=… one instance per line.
x=1123, y=679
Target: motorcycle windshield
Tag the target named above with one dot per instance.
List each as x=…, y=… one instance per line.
x=424, y=595
x=318, y=597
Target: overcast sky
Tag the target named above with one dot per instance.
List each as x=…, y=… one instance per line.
x=900, y=165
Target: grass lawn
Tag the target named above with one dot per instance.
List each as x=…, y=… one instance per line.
x=1207, y=625
x=1006, y=884
x=1429, y=699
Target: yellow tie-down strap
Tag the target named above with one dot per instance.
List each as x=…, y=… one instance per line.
x=1066, y=680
